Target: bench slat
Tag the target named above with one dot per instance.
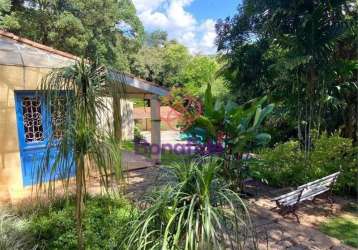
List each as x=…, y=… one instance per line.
x=332, y=176
x=308, y=195
x=307, y=191
x=295, y=192
x=323, y=180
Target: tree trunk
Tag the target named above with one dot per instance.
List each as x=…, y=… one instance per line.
x=79, y=200
x=350, y=119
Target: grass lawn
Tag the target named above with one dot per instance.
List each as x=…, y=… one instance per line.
x=344, y=228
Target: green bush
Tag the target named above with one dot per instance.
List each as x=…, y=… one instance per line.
x=287, y=165
x=14, y=233
x=104, y=224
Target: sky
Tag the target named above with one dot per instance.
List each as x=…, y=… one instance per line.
x=190, y=22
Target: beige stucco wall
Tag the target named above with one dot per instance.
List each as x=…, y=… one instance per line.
x=13, y=78
x=127, y=119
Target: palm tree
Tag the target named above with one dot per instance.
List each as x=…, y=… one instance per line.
x=81, y=128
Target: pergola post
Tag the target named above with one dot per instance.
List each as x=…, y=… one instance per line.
x=117, y=117
x=155, y=129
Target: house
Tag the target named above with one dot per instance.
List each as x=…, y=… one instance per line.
x=23, y=63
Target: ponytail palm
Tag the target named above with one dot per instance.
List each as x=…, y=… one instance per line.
x=81, y=128
x=195, y=211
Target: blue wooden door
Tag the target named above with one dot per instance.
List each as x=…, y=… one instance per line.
x=39, y=137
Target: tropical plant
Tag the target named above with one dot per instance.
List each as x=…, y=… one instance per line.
x=234, y=127
x=196, y=210
x=82, y=131
x=296, y=52
x=14, y=233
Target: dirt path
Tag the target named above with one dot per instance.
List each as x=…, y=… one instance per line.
x=275, y=232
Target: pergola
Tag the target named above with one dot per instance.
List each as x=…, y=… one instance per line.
x=138, y=88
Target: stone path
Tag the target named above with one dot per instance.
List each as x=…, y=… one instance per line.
x=273, y=231
x=277, y=233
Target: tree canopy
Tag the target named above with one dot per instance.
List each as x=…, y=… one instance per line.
x=105, y=30
x=299, y=53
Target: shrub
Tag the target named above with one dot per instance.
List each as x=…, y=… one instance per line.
x=14, y=233
x=104, y=224
x=137, y=134
x=287, y=165
x=195, y=211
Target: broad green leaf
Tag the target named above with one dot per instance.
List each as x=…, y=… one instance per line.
x=263, y=114
x=208, y=101
x=206, y=124
x=263, y=138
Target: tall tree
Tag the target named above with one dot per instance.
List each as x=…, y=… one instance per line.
x=104, y=30
x=162, y=62
x=287, y=48
x=156, y=38
x=198, y=73
x=5, y=6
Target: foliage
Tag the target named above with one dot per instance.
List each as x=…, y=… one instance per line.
x=169, y=63
x=14, y=233
x=156, y=38
x=161, y=63
x=198, y=73
x=87, y=140
x=169, y=157
x=237, y=125
x=299, y=53
x=5, y=6
x=195, y=211
x=108, y=31
x=344, y=228
x=233, y=128
x=137, y=134
x=105, y=220
x=287, y=164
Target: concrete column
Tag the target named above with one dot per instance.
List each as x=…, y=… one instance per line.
x=155, y=129
x=117, y=117
x=123, y=119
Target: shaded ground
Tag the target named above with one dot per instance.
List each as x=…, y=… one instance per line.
x=273, y=231
x=311, y=214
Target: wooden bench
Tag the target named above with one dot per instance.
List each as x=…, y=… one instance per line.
x=288, y=203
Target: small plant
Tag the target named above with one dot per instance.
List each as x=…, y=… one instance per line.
x=195, y=211
x=14, y=233
x=105, y=220
x=137, y=134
